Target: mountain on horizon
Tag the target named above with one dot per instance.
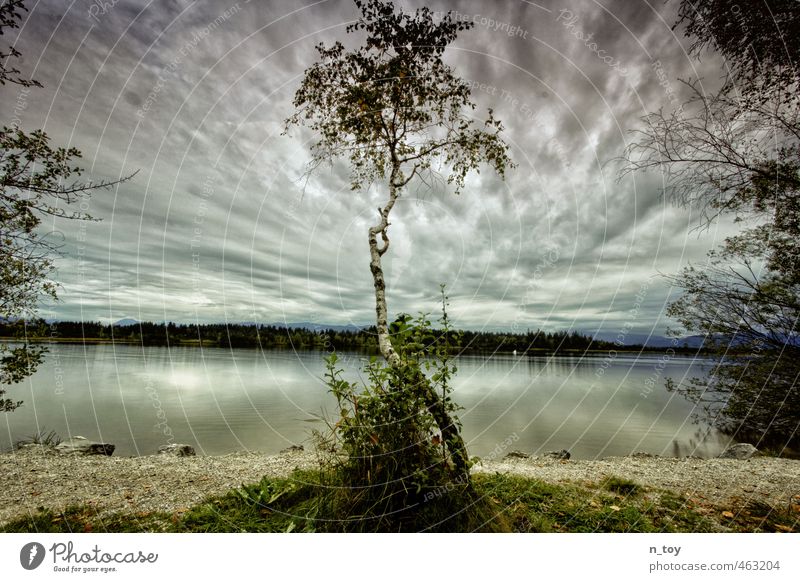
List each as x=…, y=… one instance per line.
x=653, y=341
x=312, y=326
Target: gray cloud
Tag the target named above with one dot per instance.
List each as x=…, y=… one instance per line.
x=220, y=222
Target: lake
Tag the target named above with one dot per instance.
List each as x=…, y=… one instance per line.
x=222, y=401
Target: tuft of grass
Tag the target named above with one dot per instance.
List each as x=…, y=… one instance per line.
x=49, y=439
x=621, y=485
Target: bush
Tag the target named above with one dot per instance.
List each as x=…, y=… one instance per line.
x=386, y=447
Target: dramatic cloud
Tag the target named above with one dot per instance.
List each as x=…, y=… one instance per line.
x=221, y=224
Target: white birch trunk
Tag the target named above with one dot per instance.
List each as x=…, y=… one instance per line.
x=450, y=433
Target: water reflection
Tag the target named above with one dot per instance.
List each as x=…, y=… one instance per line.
x=222, y=401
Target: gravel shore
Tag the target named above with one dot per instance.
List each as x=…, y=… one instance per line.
x=32, y=479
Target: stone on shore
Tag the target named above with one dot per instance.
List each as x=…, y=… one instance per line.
x=82, y=446
x=177, y=450
x=562, y=455
x=739, y=451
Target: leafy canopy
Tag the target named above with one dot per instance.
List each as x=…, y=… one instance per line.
x=10, y=17
x=759, y=40
x=394, y=102
x=36, y=180
x=737, y=152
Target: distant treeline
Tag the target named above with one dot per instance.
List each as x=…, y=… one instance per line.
x=279, y=337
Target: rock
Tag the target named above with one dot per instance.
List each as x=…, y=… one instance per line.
x=293, y=449
x=177, y=450
x=739, y=451
x=563, y=454
x=82, y=446
x=517, y=455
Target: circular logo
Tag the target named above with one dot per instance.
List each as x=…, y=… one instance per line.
x=31, y=555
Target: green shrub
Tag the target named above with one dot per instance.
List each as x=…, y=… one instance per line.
x=386, y=447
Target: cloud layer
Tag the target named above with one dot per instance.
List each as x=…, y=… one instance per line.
x=220, y=223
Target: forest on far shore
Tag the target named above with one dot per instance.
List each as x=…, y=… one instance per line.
x=305, y=338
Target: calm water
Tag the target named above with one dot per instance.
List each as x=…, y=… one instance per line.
x=222, y=401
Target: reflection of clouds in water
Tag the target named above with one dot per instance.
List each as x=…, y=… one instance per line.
x=221, y=401
x=555, y=403
x=186, y=378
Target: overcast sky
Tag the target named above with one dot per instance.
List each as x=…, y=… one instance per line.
x=220, y=225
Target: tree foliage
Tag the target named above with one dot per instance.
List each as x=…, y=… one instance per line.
x=737, y=152
x=386, y=426
x=393, y=107
x=760, y=41
x=36, y=180
x=11, y=13
x=721, y=154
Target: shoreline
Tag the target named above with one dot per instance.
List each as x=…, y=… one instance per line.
x=138, y=485
x=679, y=351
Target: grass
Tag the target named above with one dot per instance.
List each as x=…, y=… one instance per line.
x=48, y=439
x=621, y=485
x=309, y=501
x=86, y=519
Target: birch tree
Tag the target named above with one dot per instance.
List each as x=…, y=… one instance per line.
x=397, y=112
